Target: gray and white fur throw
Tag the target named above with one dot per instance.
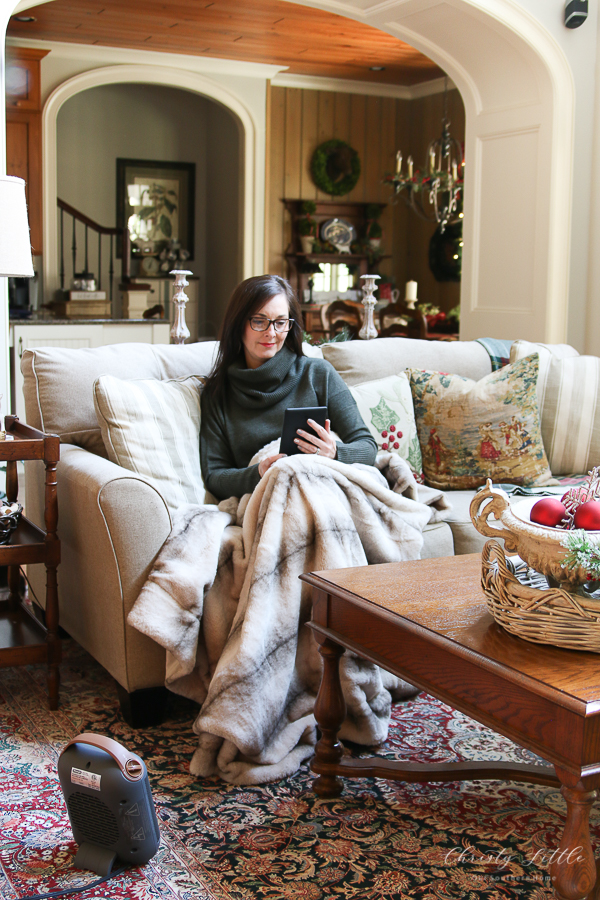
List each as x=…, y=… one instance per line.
x=225, y=600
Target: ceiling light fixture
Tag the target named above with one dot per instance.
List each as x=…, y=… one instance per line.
x=434, y=194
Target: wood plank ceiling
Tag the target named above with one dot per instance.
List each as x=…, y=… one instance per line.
x=309, y=41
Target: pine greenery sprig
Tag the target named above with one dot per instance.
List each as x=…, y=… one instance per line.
x=582, y=553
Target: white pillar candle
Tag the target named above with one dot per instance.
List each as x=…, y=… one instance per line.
x=411, y=290
x=410, y=166
x=398, y=162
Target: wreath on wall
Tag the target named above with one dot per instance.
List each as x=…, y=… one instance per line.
x=335, y=168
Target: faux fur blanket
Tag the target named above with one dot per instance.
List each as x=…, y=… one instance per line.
x=225, y=600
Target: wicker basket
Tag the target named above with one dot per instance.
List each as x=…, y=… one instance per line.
x=552, y=616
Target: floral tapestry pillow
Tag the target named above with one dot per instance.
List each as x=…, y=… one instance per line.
x=473, y=430
x=386, y=408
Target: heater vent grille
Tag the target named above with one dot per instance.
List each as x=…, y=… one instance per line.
x=94, y=819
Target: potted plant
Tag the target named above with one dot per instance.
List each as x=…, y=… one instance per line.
x=307, y=226
x=374, y=230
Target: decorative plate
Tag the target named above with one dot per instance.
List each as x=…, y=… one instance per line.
x=339, y=233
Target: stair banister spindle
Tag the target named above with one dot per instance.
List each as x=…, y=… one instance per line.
x=121, y=233
x=99, y=261
x=62, y=249
x=111, y=270
x=74, y=246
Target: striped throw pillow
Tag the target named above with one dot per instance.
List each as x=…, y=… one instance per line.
x=152, y=427
x=569, y=401
x=546, y=353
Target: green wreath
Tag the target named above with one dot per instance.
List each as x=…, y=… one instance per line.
x=335, y=168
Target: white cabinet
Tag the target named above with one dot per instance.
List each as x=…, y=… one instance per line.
x=30, y=335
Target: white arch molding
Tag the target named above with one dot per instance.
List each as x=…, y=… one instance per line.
x=252, y=249
x=519, y=96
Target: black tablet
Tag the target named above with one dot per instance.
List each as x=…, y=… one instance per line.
x=295, y=419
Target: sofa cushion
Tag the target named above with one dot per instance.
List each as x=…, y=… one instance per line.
x=465, y=537
x=386, y=408
x=152, y=428
x=358, y=361
x=473, y=430
x=569, y=401
x=58, y=382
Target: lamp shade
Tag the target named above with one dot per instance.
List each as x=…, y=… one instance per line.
x=15, y=246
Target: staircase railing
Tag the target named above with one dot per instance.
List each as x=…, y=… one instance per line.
x=81, y=225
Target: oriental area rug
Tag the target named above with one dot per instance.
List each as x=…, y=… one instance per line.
x=379, y=841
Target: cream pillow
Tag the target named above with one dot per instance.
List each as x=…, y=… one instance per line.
x=386, y=408
x=152, y=427
x=569, y=401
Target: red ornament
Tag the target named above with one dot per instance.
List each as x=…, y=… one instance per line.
x=587, y=516
x=548, y=511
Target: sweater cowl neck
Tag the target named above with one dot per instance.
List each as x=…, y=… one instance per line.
x=269, y=383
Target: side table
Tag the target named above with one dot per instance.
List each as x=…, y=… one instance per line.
x=23, y=639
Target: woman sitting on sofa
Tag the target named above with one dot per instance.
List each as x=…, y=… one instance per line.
x=259, y=372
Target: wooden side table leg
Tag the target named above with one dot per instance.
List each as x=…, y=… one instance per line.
x=52, y=639
x=573, y=867
x=14, y=596
x=330, y=712
x=53, y=558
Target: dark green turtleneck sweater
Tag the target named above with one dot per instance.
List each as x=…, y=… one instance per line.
x=251, y=415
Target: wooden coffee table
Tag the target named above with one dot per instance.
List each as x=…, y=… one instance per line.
x=427, y=621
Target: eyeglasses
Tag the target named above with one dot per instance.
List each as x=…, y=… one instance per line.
x=261, y=323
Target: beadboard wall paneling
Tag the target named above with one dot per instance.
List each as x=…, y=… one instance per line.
x=299, y=120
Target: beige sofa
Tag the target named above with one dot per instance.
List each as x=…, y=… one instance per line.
x=112, y=523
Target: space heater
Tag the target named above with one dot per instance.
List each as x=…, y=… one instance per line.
x=109, y=802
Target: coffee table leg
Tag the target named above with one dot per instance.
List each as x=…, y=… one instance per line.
x=330, y=712
x=573, y=867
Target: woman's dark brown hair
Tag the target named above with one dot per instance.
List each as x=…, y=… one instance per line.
x=248, y=297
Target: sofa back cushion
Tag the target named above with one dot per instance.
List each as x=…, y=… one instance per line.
x=360, y=361
x=59, y=381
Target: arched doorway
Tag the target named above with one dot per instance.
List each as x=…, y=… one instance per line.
x=519, y=96
x=251, y=212
x=519, y=99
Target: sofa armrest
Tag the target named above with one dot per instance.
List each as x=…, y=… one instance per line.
x=112, y=525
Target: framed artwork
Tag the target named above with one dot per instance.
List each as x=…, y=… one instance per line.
x=156, y=202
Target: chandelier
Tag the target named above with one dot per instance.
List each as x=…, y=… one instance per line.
x=435, y=193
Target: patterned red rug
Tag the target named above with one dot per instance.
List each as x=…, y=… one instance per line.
x=379, y=841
